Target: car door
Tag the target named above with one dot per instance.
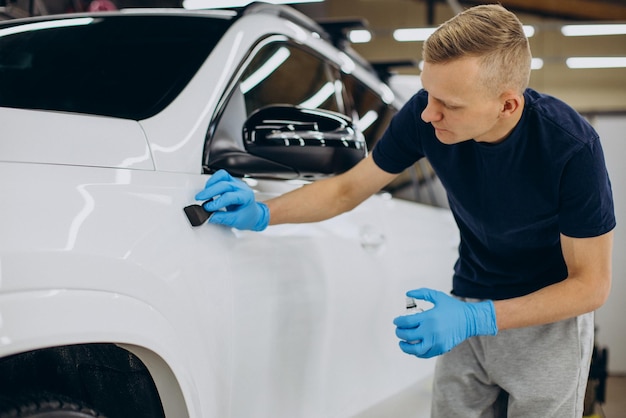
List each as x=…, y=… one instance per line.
x=314, y=303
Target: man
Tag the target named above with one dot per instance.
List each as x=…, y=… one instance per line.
x=529, y=190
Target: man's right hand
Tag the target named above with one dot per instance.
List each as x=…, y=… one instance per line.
x=233, y=203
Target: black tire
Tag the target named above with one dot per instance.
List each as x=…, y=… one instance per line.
x=45, y=406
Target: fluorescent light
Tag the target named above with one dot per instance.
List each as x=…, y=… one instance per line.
x=360, y=36
x=53, y=24
x=594, y=30
x=421, y=34
x=529, y=31
x=225, y=4
x=412, y=34
x=596, y=62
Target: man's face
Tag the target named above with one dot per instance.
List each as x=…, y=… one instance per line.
x=459, y=108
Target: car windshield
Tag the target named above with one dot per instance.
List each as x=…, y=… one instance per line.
x=128, y=66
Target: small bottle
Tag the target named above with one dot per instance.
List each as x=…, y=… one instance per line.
x=411, y=307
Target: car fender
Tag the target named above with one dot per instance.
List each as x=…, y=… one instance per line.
x=118, y=270
x=58, y=317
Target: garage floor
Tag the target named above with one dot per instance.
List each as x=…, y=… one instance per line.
x=615, y=406
x=410, y=403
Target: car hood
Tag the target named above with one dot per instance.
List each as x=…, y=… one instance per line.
x=32, y=136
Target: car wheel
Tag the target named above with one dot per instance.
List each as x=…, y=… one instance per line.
x=45, y=406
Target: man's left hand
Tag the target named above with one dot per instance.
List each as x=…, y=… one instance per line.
x=447, y=324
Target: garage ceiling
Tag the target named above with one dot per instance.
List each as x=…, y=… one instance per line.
x=588, y=90
x=569, y=9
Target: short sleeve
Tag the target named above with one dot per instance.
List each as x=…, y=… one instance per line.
x=586, y=197
x=400, y=145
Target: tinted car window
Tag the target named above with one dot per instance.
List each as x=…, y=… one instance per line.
x=368, y=109
x=283, y=73
x=277, y=73
x=126, y=66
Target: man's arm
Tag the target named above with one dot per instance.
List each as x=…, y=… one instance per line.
x=586, y=288
x=451, y=321
x=329, y=197
x=233, y=203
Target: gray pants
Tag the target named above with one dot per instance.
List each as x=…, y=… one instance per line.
x=539, y=371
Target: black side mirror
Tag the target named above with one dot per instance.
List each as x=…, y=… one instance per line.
x=311, y=142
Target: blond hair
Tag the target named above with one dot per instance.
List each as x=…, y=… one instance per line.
x=491, y=33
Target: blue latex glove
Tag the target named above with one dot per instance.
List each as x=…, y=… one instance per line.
x=447, y=324
x=233, y=203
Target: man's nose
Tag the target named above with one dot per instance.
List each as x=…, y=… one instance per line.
x=431, y=113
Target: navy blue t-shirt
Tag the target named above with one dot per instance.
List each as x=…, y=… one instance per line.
x=511, y=200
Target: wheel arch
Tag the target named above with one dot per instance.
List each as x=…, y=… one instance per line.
x=65, y=333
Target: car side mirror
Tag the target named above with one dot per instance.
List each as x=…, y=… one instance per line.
x=311, y=142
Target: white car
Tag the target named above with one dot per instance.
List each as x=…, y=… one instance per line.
x=113, y=304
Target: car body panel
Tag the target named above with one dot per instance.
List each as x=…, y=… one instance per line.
x=34, y=137
x=299, y=329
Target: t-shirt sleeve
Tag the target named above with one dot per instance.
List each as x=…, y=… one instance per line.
x=400, y=146
x=586, y=198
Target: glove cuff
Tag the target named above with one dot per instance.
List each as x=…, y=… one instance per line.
x=264, y=218
x=484, y=318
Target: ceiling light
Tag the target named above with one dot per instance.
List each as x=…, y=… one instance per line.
x=536, y=64
x=360, y=36
x=421, y=34
x=596, y=62
x=225, y=4
x=412, y=34
x=593, y=30
x=529, y=31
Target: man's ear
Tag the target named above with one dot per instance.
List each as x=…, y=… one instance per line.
x=511, y=103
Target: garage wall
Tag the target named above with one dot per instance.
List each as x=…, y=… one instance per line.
x=611, y=331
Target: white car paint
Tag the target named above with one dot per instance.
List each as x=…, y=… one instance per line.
x=299, y=315
x=35, y=137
